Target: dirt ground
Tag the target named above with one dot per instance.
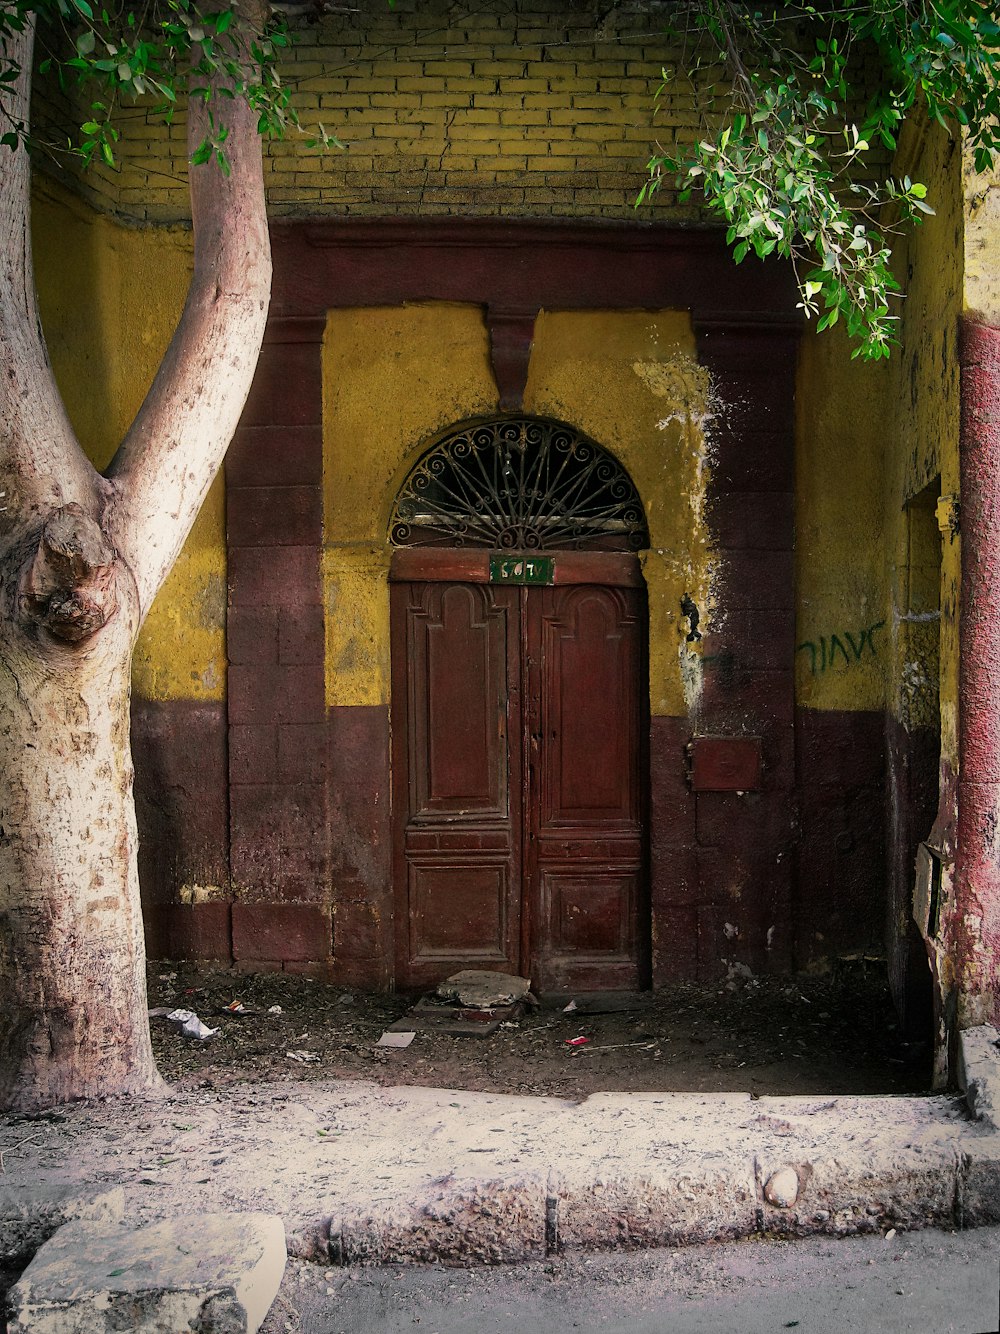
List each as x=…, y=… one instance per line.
x=833, y=1033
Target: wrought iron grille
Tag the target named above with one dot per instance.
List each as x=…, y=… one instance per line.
x=518, y=484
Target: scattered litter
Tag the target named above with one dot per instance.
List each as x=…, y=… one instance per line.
x=275, y=1009
x=304, y=1057
x=576, y=1042
x=390, y=1039
x=236, y=1007
x=190, y=1025
x=608, y=1002
x=617, y=1046
x=160, y=1012
x=890, y=1234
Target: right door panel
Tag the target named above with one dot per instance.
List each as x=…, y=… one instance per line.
x=584, y=862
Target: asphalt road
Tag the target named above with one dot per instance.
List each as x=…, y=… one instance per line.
x=916, y=1283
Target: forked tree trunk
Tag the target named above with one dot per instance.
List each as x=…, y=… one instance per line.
x=81, y=558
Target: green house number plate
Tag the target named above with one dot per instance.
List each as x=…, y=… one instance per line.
x=521, y=569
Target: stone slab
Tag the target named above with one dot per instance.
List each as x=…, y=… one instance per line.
x=30, y=1214
x=979, y=1072
x=481, y=989
x=208, y=1273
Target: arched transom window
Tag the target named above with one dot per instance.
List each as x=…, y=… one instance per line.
x=521, y=483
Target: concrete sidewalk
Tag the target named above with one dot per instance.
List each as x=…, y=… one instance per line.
x=361, y=1173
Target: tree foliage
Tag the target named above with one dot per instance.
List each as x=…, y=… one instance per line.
x=119, y=54
x=802, y=107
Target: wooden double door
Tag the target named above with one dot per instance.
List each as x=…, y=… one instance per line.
x=519, y=726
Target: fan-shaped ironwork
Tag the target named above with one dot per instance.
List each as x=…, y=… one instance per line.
x=518, y=484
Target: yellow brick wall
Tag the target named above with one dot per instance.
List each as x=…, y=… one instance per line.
x=546, y=111
x=543, y=109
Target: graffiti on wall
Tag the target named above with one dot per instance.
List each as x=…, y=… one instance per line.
x=846, y=647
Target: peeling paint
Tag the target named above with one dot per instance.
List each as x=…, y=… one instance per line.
x=191, y=894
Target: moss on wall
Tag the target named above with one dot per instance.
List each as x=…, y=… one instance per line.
x=109, y=314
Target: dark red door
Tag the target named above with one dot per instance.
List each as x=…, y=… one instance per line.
x=584, y=855
x=517, y=775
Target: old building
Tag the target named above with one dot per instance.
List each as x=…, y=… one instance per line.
x=567, y=605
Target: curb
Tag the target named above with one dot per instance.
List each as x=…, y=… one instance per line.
x=363, y=1174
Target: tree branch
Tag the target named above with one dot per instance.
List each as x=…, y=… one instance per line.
x=41, y=463
x=175, y=446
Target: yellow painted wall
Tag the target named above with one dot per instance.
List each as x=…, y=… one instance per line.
x=396, y=378
x=869, y=439
x=110, y=297
x=392, y=378
x=631, y=381
x=926, y=395
x=841, y=593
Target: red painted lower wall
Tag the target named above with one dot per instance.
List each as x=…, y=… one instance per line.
x=770, y=879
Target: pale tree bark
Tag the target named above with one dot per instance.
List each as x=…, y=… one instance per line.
x=81, y=558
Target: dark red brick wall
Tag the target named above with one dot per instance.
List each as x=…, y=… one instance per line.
x=361, y=844
x=745, y=841
x=279, y=817
x=182, y=809
x=912, y=782
x=839, y=903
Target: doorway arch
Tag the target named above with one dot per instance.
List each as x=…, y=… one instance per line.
x=519, y=711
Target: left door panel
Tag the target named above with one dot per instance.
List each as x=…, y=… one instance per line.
x=456, y=778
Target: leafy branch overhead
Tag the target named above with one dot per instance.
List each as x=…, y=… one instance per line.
x=798, y=133
x=152, y=53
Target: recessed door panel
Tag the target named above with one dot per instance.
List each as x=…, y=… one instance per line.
x=457, y=693
x=460, y=910
x=587, y=709
x=590, y=914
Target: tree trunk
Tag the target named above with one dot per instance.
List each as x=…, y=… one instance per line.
x=81, y=558
x=73, y=1019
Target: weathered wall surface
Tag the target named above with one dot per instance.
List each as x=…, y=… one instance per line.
x=270, y=643
x=842, y=650
x=970, y=936
x=924, y=553
x=878, y=567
